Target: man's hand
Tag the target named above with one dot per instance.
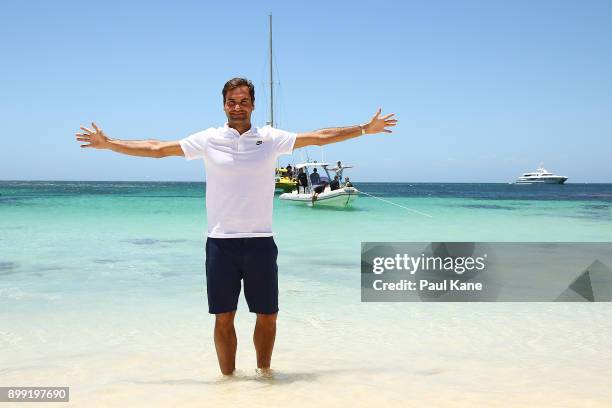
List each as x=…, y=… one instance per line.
x=142, y=148
x=96, y=138
x=378, y=123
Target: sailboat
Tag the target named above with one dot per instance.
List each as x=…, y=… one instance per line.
x=284, y=179
x=319, y=194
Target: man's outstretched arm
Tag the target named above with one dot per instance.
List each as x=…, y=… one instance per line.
x=143, y=148
x=377, y=124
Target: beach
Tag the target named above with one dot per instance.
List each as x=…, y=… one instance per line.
x=102, y=289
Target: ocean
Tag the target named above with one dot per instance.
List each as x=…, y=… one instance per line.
x=102, y=289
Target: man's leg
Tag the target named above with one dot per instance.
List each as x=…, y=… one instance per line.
x=226, y=342
x=263, y=337
x=223, y=282
x=261, y=293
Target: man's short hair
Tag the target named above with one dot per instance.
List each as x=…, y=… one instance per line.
x=235, y=83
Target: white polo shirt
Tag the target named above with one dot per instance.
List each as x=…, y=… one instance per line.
x=239, y=177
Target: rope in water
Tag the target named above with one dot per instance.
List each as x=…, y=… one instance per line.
x=401, y=206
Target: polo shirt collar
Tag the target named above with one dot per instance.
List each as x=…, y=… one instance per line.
x=231, y=132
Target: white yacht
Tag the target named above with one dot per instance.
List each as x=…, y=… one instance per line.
x=540, y=176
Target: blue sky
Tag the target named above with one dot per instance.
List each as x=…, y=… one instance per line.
x=484, y=90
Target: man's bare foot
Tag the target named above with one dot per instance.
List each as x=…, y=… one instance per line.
x=227, y=377
x=264, y=373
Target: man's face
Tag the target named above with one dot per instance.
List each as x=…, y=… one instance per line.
x=238, y=105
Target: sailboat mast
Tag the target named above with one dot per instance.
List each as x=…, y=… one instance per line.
x=271, y=79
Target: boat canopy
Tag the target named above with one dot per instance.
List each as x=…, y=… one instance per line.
x=310, y=164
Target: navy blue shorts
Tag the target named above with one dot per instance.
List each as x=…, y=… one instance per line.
x=232, y=260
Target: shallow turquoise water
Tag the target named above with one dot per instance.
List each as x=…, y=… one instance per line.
x=67, y=240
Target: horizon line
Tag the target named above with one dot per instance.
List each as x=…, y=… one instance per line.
x=356, y=181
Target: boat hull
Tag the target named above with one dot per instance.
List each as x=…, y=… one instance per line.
x=284, y=186
x=551, y=180
x=337, y=199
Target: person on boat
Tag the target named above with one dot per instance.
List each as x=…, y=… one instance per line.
x=338, y=169
x=315, y=179
x=348, y=183
x=238, y=157
x=335, y=184
x=318, y=190
x=302, y=180
x=289, y=171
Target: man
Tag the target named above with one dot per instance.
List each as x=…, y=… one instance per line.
x=239, y=247
x=348, y=183
x=335, y=184
x=302, y=180
x=315, y=179
x=318, y=190
x=338, y=169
